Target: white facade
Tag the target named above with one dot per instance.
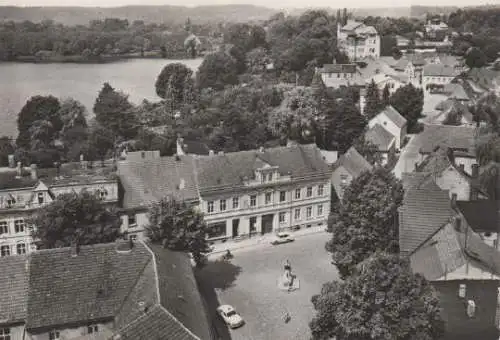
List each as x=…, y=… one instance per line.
x=389, y=125
x=435, y=80
x=358, y=41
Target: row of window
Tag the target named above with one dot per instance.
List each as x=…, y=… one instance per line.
x=268, y=199
x=56, y=335
x=19, y=226
x=297, y=213
x=20, y=248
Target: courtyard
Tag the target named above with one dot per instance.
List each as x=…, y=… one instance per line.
x=249, y=283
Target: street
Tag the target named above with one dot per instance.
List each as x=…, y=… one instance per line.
x=408, y=157
x=249, y=284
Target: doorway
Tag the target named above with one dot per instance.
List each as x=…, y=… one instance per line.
x=236, y=227
x=267, y=223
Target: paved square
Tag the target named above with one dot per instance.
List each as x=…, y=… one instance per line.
x=253, y=291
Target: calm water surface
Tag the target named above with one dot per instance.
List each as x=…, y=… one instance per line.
x=20, y=81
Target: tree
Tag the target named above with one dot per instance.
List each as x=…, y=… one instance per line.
x=366, y=220
x=114, y=111
x=373, y=102
x=368, y=150
x=175, y=75
x=71, y=218
x=6, y=149
x=74, y=133
x=383, y=300
x=475, y=58
x=453, y=117
x=386, y=96
x=409, y=102
x=37, y=108
x=216, y=71
x=179, y=227
x=101, y=143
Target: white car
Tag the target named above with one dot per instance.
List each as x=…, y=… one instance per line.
x=230, y=317
x=282, y=238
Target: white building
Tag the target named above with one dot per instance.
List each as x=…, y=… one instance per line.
x=391, y=120
x=358, y=40
x=23, y=193
x=438, y=75
x=338, y=75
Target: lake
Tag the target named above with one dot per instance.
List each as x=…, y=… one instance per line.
x=20, y=81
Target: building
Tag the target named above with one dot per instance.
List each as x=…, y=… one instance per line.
x=358, y=40
x=393, y=82
x=338, y=75
x=384, y=140
x=121, y=290
x=349, y=166
x=23, y=192
x=391, y=120
x=241, y=194
x=437, y=76
x=454, y=107
x=411, y=65
x=436, y=29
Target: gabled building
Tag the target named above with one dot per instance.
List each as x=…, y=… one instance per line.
x=349, y=166
x=384, y=140
x=453, y=106
x=437, y=76
x=391, y=120
x=121, y=290
x=411, y=65
x=340, y=75
x=358, y=40
x=23, y=192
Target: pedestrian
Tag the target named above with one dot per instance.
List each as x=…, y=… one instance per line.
x=287, y=265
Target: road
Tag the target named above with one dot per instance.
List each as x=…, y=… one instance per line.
x=249, y=283
x=408, y=157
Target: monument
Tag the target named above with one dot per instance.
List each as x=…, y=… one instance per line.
x=288, y=281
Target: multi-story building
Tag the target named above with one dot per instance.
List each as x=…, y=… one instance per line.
x=23, y=192
x=358, y=40
x=435, y=29
x=240, y=193
x=338, y=75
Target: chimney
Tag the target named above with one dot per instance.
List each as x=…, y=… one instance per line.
x=475, y=170
x=34, y=174
x=19, y=170
x=182, y=185
x=211, y=152
x=461, y=290
x=453, y=201
x=75, y=249
x=83, y=164
x=462, y=167
x=471, y=308
x=57, y=165
x=261, y=149
x=12, y=161
x=458, y=223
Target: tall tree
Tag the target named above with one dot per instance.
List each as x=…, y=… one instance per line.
x=37, y=108
x=101, y=143
x=179, y=227
x=74, y=132
x=373, y=102
x=216, y=71
x=175, y=75
x=6, y=149
x=409, y=102
x=382, y=300
x=366, y=221
x=72, y=217
x=475, y=58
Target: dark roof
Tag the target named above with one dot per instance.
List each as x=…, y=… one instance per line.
x=458, y=326
x=153, y=179
x=64, y=289
x=423, y=212
x=419, y=180
x=231, y=169
x=353, y=162
x=338, y=68
x=394, y=116
x=455, y=137
x=481, y=215
x=193, y=147
x=13, y=285
x=380, y=137
x=179, y=290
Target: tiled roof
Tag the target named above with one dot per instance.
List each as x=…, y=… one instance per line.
x=90, y=286
x=231, y=168
x=423, y=212
x=153, y=179
x=481, y=215
x=338, y=68
x=366, y=30
x=353, y=162
x=458, y=325
x=437, y=162
x=419, y=180
x=13, y=285
x=439, y=70
x=394, y=116
x=457, y=137
x=380, y=137
x=457, y=91
x=179, y=290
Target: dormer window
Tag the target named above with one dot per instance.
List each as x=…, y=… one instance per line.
x=40, y=197
x=103, y=193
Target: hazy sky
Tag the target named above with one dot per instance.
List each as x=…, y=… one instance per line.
x=274, y=4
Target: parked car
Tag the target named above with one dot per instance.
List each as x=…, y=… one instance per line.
x=282, y=238
x=230, y=317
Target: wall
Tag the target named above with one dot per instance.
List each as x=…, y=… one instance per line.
x=471, y=272
x=467, y=162
x=16, y=332
x=12, y=238
x=70, y=333
x=336, y=180
x=451, y=180
x=138, y=228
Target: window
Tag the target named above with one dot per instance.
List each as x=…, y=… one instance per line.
x=21, y=248
x=40, y=198
x=282, y=196
x=133, y=237
x=321, y=190
x=236, y=202
x=309, y=191
x=253, y=200
x=131, y=220
x=4, y=333
x=296, y=214
x=268, y=197
x=222, y=205
x=270, y=177
x=54, y=335
x=92, y=329
x=282, y=217
x=297, y=194
x=19, y=226
x=4, y=227
x=309, y=212
x=5, y=250
x=216, y=230
x=103, y=193
x=210, y=207
x=253, y=223
x=320, y=210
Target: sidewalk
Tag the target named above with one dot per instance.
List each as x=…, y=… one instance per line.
x=261, y=239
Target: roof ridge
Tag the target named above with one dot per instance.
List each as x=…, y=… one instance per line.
x=133, y=322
